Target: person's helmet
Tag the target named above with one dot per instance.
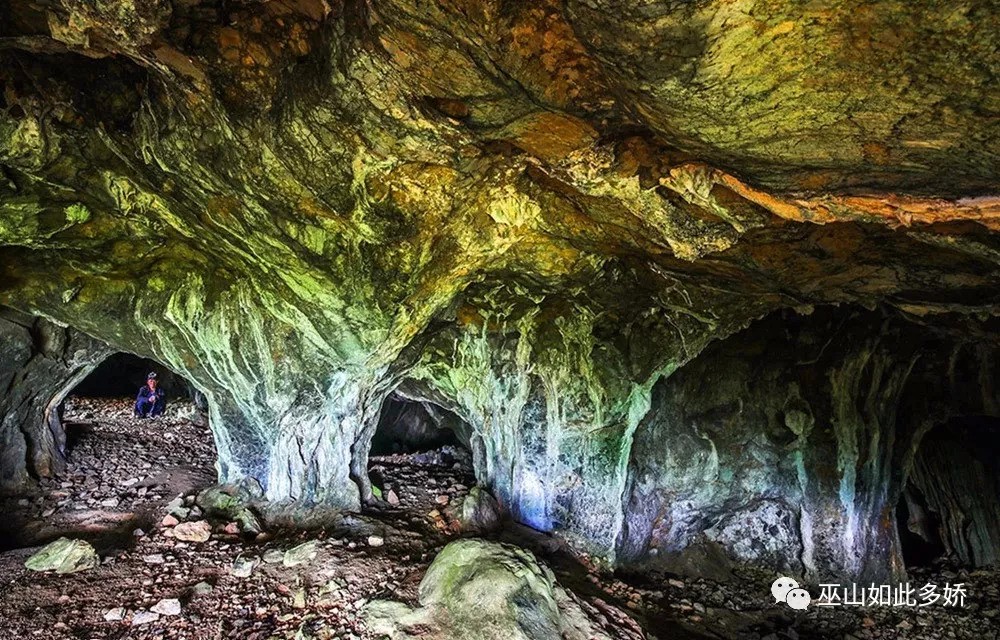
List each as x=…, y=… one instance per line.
x=151, y=376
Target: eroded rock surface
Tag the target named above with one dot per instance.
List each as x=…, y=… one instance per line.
x=40, y=362
x=528, y=214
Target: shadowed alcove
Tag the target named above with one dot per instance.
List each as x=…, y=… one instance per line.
x=408, y=427
x=950, y=507
x=121, y=375
x=116, y=469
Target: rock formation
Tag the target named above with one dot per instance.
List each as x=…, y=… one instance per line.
x=533, y=215
x=482, y=590
x=40, y=362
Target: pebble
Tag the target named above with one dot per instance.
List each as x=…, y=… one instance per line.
x=242, y=567
x=202, y=588
x=114, y=615
x=199, y=531
x=168, y=607
x=144, y=617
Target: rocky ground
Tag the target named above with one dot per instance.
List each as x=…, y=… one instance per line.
x=167, y=572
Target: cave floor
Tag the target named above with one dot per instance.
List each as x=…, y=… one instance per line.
x=125, y=474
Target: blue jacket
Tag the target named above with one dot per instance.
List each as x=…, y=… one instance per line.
x=146, y=394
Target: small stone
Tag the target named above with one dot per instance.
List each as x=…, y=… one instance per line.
x=64, y=556
x=232, y=528
x=144, y=617
x=199, y=531
x=274, y=556
x=110, y=503
x=169, y=521
x=203, y=588
x=114, y=615
x=375, y=541
x=676, y=583
x=300, y=554
x=442, y=499
x=392, y=498
x=168, y=607
x=242, y=567
x=904, y=625
x=153, y=558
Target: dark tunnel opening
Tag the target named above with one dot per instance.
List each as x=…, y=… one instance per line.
x=919, y=530
x=412, y=427
x=950, y=507
x=420, y=458
x=122, y=374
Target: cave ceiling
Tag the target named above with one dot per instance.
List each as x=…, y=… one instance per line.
x=282, y=198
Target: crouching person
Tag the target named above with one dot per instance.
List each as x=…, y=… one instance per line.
x=151, y=400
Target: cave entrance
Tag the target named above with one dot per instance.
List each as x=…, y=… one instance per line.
x=413, y=427
x=121, y=375
x=121, y=472
x=950, y=507
x=420, y=459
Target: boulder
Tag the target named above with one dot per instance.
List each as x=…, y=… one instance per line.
x=64, y=556
x=479, y=512
x=232, y=502
x=480, y=590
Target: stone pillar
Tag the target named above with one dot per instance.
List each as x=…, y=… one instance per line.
x=40, y=362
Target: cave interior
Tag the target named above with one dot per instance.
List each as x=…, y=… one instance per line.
x=681, y=287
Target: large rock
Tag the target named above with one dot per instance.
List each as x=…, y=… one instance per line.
x=479, y=512
x=233, y=502
x=64, y=556
x=478, y=590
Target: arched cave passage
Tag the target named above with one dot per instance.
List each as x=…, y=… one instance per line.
x=420, y=459
x=121, y=374
x=788, y=444
x=411, y=427
x=120, y=472
x=950, y=507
